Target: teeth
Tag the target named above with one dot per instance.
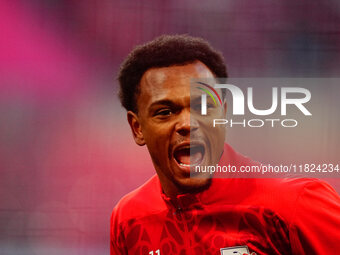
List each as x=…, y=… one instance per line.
x=182, y=164
x=184, y=157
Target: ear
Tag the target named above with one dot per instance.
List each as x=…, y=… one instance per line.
x=136, y=128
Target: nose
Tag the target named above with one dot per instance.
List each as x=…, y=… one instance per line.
x=186, y=123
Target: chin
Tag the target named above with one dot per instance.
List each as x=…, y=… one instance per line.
x=193, y=185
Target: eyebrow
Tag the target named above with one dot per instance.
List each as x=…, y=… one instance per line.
x=171, y=103
x=163, y=102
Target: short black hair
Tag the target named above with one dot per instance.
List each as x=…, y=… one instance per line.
x=163, y=51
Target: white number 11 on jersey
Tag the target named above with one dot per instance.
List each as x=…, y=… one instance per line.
x=156, y=252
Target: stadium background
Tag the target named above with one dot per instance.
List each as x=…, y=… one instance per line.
x=66, y=152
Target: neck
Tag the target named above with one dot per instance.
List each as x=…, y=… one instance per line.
x=171, y=190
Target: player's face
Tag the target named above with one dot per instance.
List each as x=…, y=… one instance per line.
x=170, y=130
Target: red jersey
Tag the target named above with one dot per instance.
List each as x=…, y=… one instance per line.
x=264, y=216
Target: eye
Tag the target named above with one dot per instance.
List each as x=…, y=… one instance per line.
x=163, y=112
x=196, y=107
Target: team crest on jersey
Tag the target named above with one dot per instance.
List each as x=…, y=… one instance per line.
x=240, y=250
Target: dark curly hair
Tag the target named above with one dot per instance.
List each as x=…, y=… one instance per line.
x=163, y=51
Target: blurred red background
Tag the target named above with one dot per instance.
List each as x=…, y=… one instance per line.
x=66, y=152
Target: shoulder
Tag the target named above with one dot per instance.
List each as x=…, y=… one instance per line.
x=288, y=184
x=297, y=199
x=141, y=202
x=289, y=188
x=316, y=219
x=288, y=197
x=290, y=191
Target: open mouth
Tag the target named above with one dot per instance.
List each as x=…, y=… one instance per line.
x=189, y=155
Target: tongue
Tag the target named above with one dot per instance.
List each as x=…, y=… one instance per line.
x=184, y=156
x=196, y=157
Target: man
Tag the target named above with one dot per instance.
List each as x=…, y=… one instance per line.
x=174, y=213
